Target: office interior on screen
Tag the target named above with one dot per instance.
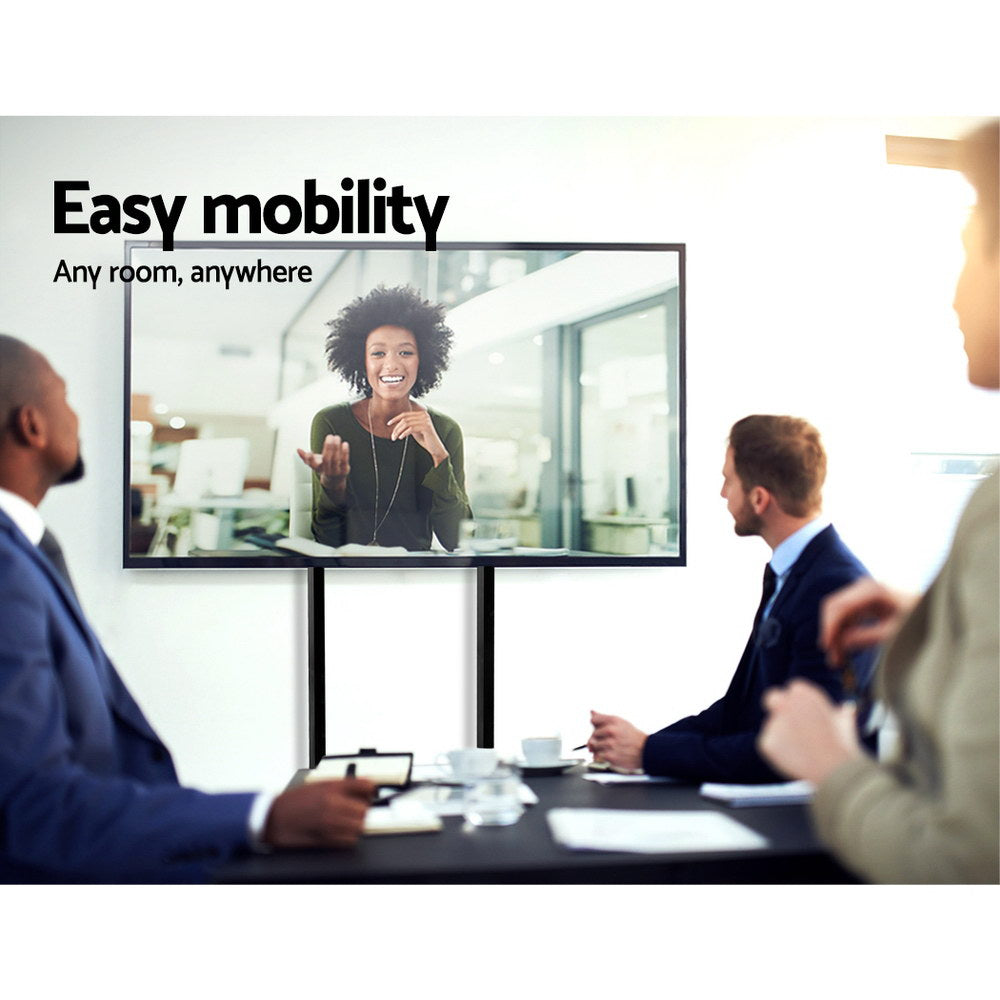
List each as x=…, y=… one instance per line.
x=564, y=377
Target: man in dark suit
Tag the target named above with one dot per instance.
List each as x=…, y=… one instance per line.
x=772, y=481
x=88, y=791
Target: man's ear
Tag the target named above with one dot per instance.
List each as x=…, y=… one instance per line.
x=28, y=426
x=760, y=499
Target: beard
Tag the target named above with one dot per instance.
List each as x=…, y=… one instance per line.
x=745, y=522
x=74, y=473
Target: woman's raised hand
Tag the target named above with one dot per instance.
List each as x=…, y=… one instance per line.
x=332, y=464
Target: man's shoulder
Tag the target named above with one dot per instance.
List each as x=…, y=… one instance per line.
x=827, y=563
x=21, y=576
x=829, y=547
x=13, y=544
x=25, y=574
x=7, y=525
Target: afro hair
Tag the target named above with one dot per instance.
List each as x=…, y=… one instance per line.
x=401, y=306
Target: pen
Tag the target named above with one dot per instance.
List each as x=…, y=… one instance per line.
x=582, y=746
x=352, y=770
x=848, y=680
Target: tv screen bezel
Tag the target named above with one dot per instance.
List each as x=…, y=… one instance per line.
x=445, y=560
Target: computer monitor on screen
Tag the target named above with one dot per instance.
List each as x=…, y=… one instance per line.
x=212, y=467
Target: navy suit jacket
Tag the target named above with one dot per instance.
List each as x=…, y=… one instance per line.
x=88, y=792
x=719, y=744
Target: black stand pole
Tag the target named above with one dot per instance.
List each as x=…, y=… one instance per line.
x=317, y=661
x=317, y=666
x=484, y=656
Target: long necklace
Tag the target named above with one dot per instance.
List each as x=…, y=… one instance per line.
x=375, y=521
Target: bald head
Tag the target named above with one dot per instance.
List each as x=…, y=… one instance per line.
x=21, y=368
x=39, y=442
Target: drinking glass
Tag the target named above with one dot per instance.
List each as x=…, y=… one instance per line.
x=495, y=800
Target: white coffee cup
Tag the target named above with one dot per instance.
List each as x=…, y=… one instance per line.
x=469, y=764
x=542, y=750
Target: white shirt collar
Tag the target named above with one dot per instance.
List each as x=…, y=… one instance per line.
x=784, y=556
x=24, y=514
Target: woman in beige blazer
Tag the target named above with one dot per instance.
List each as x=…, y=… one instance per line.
x=931, y=813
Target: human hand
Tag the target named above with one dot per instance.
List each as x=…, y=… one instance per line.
x=616, y=742
x=806, y=735
x=862, y=614
x=418, y=425
x=333, y=464
x=319, y=814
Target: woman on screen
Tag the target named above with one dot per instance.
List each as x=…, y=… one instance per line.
x=387, y=470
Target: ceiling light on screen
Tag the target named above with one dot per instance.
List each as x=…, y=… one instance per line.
x=177, y=423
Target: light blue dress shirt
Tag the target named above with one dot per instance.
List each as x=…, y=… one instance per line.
x=784, y=556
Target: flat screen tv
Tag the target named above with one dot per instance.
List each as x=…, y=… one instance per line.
x=553, y=433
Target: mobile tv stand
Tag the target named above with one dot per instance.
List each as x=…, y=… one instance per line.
x=317, y=661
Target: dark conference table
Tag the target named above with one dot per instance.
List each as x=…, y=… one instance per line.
x=525, y=853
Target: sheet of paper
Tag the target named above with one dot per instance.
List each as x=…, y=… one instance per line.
x=650, y=831
x=306, y=546
x=370, y=551
x=781, y=794
x=615, y=778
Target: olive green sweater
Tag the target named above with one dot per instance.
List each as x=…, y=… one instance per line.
x=428, y=500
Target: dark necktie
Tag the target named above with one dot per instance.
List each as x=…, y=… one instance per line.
x=770, y=581
x=740, y=687
x=54, y=551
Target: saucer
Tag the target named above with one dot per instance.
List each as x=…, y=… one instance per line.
x=541, y=770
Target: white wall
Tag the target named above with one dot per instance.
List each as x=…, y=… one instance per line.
x=789, y=310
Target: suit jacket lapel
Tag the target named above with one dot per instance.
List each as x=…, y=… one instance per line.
x=121, y=702
x=739, y=689
x=801, y=566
